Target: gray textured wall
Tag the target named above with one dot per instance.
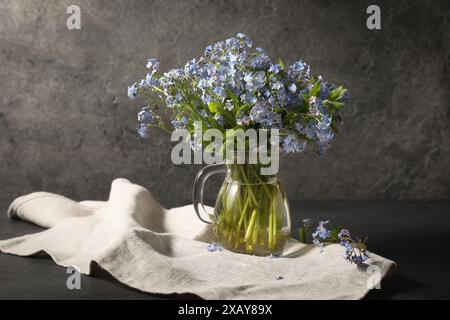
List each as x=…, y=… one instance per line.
x=67, y=126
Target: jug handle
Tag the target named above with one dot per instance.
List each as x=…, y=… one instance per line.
x=199, y=183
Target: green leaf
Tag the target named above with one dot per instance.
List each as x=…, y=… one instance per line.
x=336, y=93
x=281, y=63
x=342, y=94
x=232, y=96
x=284, y=132
x=315, y=90
x=214, y=106
x=334, y=235
x=333, y=105
x=305, y=98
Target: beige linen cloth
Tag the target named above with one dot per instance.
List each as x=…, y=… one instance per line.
x=161, y=251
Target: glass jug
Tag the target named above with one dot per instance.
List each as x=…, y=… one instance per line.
x=251, y=214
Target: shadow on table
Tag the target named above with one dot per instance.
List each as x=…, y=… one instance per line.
x=393, y=287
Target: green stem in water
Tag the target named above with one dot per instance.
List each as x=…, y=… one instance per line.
x=248, y=233
x=256, y=228
x=270, y=244
x=258, y=177
x=249, y=187
x=274, y=225
x=241, y=220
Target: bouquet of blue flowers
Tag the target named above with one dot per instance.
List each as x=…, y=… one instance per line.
x=230, y=88
x=233, y=87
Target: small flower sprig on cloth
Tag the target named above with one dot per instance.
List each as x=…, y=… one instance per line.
x=355, y=248
x=213, y=247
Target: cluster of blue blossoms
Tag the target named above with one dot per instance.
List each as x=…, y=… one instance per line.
x=232, y=86
x=321, y=234
x=355, y=248
x=213, y=247
x=146, y=118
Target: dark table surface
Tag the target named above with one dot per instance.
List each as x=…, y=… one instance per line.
x=414, y=234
